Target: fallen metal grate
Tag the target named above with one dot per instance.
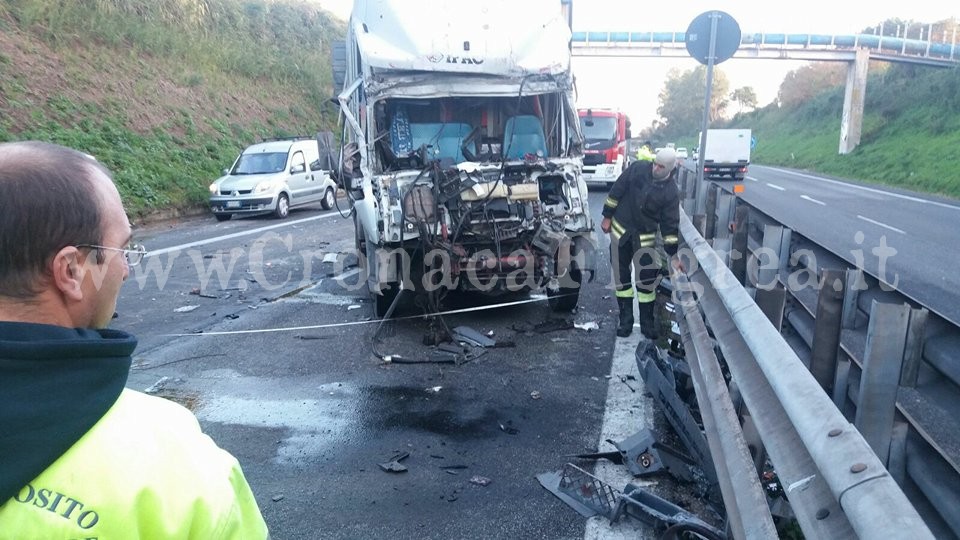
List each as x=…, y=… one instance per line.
x=589, y=490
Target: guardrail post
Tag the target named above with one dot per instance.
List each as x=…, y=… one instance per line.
x=776, y=246
x=725, y=210
x=739, y=246
x=771, y=302
x=897, y=462
x=711, y=212
x=826, y=331
x=913, y=353
x=851, y=291
x=882, y=361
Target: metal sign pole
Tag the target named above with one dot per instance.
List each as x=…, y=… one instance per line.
x=705, y=122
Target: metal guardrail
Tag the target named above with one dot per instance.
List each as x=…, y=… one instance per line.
x=887, y=364
x=835, y=482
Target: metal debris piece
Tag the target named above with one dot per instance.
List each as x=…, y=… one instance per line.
x=157, y=386
x=535, y=394
x=480, y=480
x=434, y=389
x=353, y=306
x=587, y=326
x=643, y=455
x=583, y=492
x=185, y=309
x=507, y=428
x=553, y=325
x=590, y=496
x=465, y=333
x=658, y=374
x=276, y=498
x=393, y=465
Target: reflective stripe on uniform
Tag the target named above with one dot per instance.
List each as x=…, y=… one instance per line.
x=617, y=228
x=611, y=203
x=671, y=239
x=628, y=293
x=646, y=297
x=647, y=240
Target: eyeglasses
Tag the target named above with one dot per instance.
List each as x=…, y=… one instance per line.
x=133, y=253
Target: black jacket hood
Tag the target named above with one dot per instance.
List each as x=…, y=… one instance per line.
x=55, y=384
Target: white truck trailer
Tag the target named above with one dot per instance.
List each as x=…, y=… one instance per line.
x=727, y=154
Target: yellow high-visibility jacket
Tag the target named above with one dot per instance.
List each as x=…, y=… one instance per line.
x=143, y=471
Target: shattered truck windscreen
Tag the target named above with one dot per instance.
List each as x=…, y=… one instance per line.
x=466, y=172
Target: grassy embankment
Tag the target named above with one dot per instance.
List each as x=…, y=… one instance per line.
x=164, y=92
x=910, y=137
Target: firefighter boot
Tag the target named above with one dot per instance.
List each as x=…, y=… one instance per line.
x=647, y=324
x=626, y=317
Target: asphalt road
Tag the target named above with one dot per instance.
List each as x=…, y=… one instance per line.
x=301, y=395
x=905, y=238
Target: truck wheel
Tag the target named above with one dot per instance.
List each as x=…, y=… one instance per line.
x=382, y=302
x=223, y=217
x=566, y=298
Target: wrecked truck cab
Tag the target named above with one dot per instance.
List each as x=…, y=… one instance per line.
x=464, y=159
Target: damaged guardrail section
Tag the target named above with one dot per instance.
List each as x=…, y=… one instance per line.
x=836, y=484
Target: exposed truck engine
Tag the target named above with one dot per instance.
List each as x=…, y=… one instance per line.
x=462, y=152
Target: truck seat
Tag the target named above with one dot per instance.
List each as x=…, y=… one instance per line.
x=524, y=135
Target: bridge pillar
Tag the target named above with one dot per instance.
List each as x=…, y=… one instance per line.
x=853, y=98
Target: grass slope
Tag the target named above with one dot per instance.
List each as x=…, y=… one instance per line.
x=164, y=92
x=910, y=135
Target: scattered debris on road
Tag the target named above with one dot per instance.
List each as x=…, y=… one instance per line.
x=393, y=464
x=480, y=480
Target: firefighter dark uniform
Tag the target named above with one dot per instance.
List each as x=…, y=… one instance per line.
x=639, y=206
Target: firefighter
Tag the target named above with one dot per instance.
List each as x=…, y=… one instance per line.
x=644, y=153
x=643, y=201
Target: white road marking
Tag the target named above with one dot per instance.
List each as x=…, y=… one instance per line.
x=625, y=413
x=154, y=253
x=752, y=179
x=872, y=190
x=774, y=186
x=894, y=229
x=811, y=199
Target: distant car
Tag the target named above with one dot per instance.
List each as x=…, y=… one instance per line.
x=682, y=153
x=273, y=177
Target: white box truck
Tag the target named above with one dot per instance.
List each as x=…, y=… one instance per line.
x=727, y=154
x=462, y=149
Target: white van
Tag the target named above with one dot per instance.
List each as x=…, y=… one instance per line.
x=273, y=177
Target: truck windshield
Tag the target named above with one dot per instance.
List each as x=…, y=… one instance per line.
x=261, y=163
x=598, y=128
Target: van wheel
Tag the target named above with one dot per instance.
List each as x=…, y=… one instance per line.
x=329, y=199
x=223, y=217
x=283, y=206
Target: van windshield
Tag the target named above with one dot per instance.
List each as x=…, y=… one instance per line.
x=261, y=163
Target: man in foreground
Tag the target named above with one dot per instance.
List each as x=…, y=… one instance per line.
x=81, y=456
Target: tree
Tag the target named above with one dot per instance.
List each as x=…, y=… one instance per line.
x=745, y=98
x=807, y=81
x=681, y=100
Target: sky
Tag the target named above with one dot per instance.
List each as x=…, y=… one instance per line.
x=633, y=84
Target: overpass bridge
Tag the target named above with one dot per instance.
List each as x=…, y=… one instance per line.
x=854, y=49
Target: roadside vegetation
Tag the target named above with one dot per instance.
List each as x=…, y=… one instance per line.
x=164, y=92
x=909, y=137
